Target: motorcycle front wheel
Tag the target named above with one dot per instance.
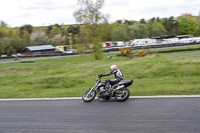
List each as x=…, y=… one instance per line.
x=88, y=97
x=122, y=94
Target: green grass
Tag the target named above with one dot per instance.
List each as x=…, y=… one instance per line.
x=67, y=77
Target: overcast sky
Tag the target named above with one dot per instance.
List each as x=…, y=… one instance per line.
x=48, y=12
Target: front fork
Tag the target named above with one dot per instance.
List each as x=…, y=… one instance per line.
x=92, y=89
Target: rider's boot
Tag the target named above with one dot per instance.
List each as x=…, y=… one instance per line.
x=112, y=88
x=107, y=86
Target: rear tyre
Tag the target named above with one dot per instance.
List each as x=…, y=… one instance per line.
x=122, y=94
x=88, y=97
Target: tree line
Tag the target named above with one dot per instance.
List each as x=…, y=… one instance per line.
x=13, y=40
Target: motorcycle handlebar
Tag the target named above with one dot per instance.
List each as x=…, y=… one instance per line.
x=98, y=79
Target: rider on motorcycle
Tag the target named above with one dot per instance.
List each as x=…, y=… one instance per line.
x=118, y=77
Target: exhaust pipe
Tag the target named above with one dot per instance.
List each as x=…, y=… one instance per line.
x=119, y=87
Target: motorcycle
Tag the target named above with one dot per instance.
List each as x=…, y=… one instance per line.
x=121, y=92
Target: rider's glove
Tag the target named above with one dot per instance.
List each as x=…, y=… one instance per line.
x=100, y=75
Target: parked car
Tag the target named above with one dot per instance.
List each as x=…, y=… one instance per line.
x=196, y=39
x=70, y=51
x=119, y=43
x=109, y=44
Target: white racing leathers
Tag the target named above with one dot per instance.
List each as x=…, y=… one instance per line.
x=118, y=77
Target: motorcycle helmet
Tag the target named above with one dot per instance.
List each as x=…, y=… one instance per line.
x=112, y=67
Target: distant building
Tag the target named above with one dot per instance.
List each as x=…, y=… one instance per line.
x=39, y=50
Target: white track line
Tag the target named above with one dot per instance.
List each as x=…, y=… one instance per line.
x=79, y=98
x=42, y=99
x=167, y=96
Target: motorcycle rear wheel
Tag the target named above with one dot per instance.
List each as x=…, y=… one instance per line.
x=122, y=95
x=86, y=97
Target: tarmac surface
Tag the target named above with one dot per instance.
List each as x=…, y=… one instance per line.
x=35, y=59
x=136, y=115
x=188, y=54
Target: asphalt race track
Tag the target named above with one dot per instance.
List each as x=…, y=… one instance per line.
x=137, y=115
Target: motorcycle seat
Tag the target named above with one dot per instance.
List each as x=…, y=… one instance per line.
x=126, y=82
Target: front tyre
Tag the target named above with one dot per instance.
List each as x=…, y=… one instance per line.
x=89, y=96
x=122, y=94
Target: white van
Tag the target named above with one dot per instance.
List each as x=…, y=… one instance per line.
x=119, y=43
x=186, y=40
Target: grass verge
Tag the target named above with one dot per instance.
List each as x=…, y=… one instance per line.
x=68, y=77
